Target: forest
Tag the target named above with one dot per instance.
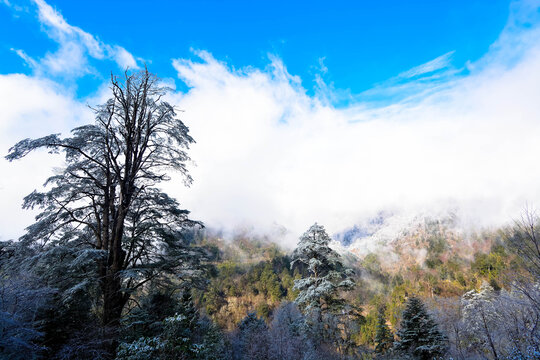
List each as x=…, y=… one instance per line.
x=114, y=268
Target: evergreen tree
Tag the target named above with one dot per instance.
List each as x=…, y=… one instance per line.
x=22, y=296
x=209, y=342
x=419, y=335
x=326, y=274
x=251, y=340
x=383, y=336
x=180, y=330
x=327, y=314
x=104, y=208
x=146, y=320
x=286, y=333
x=184, y=336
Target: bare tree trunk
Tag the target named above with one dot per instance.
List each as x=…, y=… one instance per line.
x=488, y=334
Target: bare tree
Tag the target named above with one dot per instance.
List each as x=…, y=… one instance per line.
x=524, y=239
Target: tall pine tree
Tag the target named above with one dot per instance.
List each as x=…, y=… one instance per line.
x=251, y=340
x=326, y=274
x=419, y=335
x=383, y=337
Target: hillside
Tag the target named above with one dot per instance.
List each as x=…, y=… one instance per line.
x=430, y=258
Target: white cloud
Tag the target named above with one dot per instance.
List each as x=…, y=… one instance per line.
x=438, y=63
x=269, y=155
x=123, y=58
x=32, y=108
x=27, y=59
x=75, y=47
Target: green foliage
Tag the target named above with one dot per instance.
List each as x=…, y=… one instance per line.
x=383, y=337
x=396, y=303
x=184, y=336
x=372, y=264
x=326, y=273
x=250, y=341
x=146, y=320
x=488, y=265
x=240, y=288
x=214, y=299
x=368, y=330
x=263, y=310
x=418, y=334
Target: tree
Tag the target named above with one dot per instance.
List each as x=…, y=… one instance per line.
x=327, y=314
x=251, y=339
x=104, y=205
x=21, y=298
x=448, y=314
x=419, y=334
x=326, y=274
x=184, y=336
x=383, y=336
x=286, y=333
x=524, y=240
x=481, y=316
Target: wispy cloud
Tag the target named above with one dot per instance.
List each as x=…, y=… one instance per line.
x=414, y=84
x=27, y=59
x=75, y=47
x=438, y=63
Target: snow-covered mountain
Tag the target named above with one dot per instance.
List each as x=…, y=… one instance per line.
x=407, y=239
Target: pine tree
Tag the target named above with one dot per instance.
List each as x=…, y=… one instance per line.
x=251, y=340
x=180, y=330
x=286, y=333
x=419, y=334
x=383, y=336
x=326, y=273
x=184, y=336
x=210, y=343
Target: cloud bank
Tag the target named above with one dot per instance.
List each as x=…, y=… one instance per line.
x=271, y=157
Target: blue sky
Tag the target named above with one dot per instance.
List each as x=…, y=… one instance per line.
x=360, y=43
x=301, y=112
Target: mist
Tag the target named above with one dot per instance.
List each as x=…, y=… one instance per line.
x=274, y=153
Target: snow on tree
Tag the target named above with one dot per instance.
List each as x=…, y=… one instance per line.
x=328, y=317
x=251, y=340
x=481, y=316
x=326, y=273
x=518, y=320
x=21, y=297
x=184, y=336
x=105, y=208
x=180, y=330
x=418, y=334
x=286, y=334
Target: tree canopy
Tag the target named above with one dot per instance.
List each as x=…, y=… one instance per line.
x=419, y=335
x=105, y=206
x=326, y=273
